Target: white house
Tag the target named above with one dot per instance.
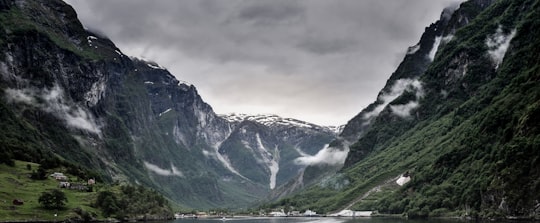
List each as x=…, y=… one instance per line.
x=59, y=176
x=310, y=213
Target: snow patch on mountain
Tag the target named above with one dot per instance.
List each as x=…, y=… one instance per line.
x=89, y=39
x=227, y=164
x=336, y=129
x=274, y=168
x=299, y=151
x=179, y=138
x=436, y=44
x=164, y=112
x=271, y=120
x=225, y=161
x=434, y=48
x=222, y=158
x=185, y=83
x=271, y=160
x=498, y=44
x=155, y=66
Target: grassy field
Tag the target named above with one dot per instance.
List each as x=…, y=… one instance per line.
x=15, y=183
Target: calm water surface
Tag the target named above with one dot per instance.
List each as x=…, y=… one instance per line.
x=315, y=220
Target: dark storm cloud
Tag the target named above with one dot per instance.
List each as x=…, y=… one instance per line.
x=317, y=60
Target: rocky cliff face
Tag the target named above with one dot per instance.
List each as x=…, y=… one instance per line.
x=274, y=145
x=69, y=92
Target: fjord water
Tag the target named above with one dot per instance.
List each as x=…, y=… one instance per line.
x=316, y=220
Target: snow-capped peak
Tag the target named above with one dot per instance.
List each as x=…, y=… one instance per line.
x=336, y=129
x=272, y=120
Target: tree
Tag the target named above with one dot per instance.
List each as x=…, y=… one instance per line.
x=41, y=174
x=6, y=157
x=108, y=203
x=55, y=199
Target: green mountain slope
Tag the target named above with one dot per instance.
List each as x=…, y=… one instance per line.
x=470, y=144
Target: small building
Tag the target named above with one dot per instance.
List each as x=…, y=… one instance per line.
x=64, y=184
x=59, y=176
x=294, y=213
x=403, y=179
x=78, y=186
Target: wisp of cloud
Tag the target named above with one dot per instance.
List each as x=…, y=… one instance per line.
x=327, y=155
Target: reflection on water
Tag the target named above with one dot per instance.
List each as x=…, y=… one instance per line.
x=313, y=220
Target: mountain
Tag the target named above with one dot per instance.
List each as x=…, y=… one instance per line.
x=276, y=143
x=70, y=95
x=271, y=120
x=454, y=132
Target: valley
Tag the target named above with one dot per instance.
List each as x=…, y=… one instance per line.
x=453, y=132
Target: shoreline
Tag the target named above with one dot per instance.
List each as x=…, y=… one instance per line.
x=229, y=217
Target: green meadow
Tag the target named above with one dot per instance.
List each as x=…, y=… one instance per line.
x=15, y=183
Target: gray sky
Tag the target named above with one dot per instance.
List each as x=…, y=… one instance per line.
x=320, y=61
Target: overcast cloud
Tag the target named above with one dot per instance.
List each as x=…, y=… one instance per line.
x=315, y=60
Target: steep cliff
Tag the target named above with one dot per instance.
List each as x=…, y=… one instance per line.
x=67, y=92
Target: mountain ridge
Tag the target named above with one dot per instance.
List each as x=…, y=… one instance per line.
x=70, y=93
x=272, y=119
